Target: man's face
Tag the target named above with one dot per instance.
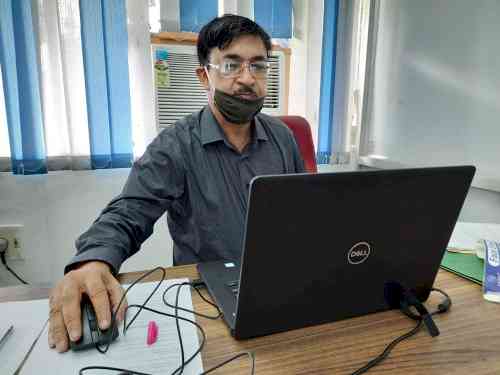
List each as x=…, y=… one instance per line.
x=245, y=49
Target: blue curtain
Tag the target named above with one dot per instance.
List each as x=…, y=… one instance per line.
x=105, y=54
x=21, y=87
x=196, y=13
x=105, y=58
x=274, y=16
x=328, y=62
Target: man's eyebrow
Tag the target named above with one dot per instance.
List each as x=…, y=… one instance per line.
x=234, y=56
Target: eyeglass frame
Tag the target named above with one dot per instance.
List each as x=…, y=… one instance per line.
x=244, y=64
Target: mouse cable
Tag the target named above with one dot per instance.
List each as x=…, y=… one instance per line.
x=180, y=369
x=147, y=300
x=114, y=314
x=4, y=261
x=177, y=318
x=234, y=357
x=195, y=287
x=442, y=308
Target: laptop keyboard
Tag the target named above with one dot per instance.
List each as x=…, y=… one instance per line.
x=234, y=286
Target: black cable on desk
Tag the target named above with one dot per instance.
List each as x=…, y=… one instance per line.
x=177, y=318
x=443, y=307
x=125, y=326
x=114, y=314
x=195, y=287
x=387, y=350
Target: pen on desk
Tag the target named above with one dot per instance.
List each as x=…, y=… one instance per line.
x=6, y=335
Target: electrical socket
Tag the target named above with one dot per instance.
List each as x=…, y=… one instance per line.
x=12, y=233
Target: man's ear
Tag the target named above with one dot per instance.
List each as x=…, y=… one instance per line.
x=202, y=76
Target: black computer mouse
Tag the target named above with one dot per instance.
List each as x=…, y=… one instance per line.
x=91, y=333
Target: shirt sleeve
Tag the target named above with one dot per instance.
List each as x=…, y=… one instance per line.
x=155, y=181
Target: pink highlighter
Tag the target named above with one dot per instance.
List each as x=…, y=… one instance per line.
x=152, y=333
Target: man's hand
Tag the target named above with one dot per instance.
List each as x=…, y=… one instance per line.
x=93, y=278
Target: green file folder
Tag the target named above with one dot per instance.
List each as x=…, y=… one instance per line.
x=465, y=265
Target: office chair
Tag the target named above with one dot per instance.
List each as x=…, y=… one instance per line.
x=302, y=132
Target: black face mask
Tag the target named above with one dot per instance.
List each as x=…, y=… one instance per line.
x=235, y=109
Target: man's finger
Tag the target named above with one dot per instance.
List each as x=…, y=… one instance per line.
x=98, y=294
x=52, y=341
x=71, y=310
x=116, y=293
x=58, y=336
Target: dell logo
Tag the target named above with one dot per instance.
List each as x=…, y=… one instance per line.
x=358, y=253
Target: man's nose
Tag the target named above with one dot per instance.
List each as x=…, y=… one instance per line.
x=246, y=77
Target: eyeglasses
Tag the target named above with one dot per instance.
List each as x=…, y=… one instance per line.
x=233, y=68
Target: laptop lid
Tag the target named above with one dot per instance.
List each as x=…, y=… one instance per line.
x=321, y=247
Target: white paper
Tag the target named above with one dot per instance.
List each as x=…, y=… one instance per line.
x=4, y=329
x=467, y=237
x=131, y=351
x=28, y=319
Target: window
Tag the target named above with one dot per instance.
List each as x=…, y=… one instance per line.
x=75, y=116
x=4, y=134
x=275, y=16
x=357, y=78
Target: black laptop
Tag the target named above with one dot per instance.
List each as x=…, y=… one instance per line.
x=322, y=247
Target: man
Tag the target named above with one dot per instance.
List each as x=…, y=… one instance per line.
x=198, y=171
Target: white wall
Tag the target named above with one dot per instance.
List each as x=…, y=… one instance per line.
x=436, y=80
x=481, y=206
x=55, y=209
x=434, y=95
x=169, y=15
x=228, y=7
x=245, y=8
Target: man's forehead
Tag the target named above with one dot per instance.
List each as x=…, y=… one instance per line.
x=245, y=47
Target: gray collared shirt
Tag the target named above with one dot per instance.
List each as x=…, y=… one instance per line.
x=191, y=171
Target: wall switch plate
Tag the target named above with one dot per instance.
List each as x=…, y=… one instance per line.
x=12, y=233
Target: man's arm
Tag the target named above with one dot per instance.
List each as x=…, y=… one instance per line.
x=155, y=181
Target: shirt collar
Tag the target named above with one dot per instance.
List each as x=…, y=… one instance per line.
x=210, y=129
x=212, y=132
x=260, y=133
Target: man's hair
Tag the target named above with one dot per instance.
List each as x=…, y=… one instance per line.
x=221, y=31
